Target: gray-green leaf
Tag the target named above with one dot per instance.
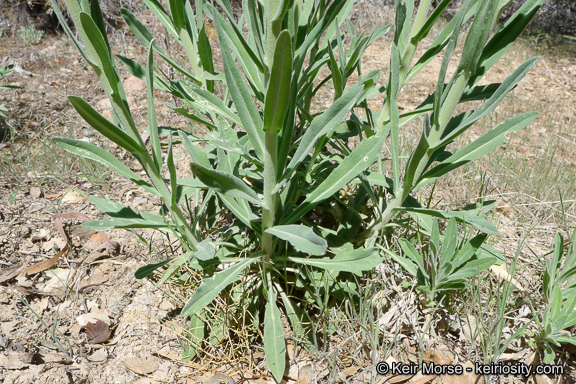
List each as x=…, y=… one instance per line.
x=301, y=237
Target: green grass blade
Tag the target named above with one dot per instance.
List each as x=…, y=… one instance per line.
x=211, y=287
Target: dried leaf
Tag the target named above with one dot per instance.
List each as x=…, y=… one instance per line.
x=140, y=365
x=100, y=356
x=398, y=379
x=60, y=228
x=44, y=265
x=350, y=371
x=98, y=332
x=501, y=272
x=114, y=246
x=72, y=197
x=93, y=317
x=15, y=360
x=59, y=278
x=99, y=237
x=50, y=357
x=442, y=355
x=419, y=378
x=42, y=234
x=10, y=273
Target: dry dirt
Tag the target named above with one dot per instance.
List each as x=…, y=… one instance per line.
x=95, y=280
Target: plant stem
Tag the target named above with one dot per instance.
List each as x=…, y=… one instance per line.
x=160, y=185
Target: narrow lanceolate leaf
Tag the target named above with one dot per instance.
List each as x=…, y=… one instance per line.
x=210, y=288
x=477, y=36
x=225, y=183
x=93, y=152
x=102, y=125
x=302, y=324
x=479, y=222
x=161, y=14
x=357, y=162
x=152, y=124
x=71, y=35
x=356, y=261
x=505, y=37
x=478, y=148
x=243, y=100
x=145, y=37
x=274, y=344
x=301, y=237
x=322, y=125
x=505, y=87
x=108, y=75
x=240, y=209
x=144, y=271
x=278, y=93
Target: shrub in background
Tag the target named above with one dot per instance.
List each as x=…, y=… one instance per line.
x=275, y=166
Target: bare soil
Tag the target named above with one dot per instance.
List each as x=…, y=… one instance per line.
x=96, y=278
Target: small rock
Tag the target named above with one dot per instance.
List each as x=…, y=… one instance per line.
x=42, y=234
x=140, y=365
x=35, y=192
x=100, y=356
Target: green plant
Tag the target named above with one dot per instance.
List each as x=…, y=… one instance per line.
x=4, y=72
x=30, y=35
x=559, y=290
x=441, y=269
x=275, y=167
x=493, y=302
x=55, y=334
